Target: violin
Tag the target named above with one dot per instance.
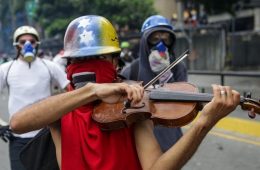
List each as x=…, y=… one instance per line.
x=170, y=105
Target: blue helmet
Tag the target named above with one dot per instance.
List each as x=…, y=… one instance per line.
x=155, y=21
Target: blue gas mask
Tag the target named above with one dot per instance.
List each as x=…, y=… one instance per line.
x=28, y=52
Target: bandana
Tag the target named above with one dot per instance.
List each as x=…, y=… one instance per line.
x=159, y=58
x=104, y=71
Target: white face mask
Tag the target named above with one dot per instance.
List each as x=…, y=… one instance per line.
x=159, y=60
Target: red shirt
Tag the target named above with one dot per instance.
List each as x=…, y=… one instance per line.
x=86, y=147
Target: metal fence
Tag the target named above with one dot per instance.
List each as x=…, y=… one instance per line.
x=207, y=46
x=244, y=50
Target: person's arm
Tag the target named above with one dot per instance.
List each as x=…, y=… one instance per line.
x=49, y=110
x=56, y=137
x=178, y=155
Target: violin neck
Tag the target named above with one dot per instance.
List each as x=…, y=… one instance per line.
x=180, y=96
x=165, y=95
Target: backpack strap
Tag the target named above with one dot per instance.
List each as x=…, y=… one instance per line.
x=49, y=72
x=46, y=67
x=6, y=77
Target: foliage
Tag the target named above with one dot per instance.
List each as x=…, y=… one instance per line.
x=55, y=15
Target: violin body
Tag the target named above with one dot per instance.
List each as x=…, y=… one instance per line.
x=170, y=114
x=175, y=114
x=116, y=116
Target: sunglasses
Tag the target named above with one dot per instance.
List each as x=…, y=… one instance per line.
x=157, y=37
x=22, y=42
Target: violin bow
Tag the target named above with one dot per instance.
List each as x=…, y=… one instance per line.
x=179, y=59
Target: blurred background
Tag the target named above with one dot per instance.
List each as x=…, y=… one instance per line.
x=222, y=35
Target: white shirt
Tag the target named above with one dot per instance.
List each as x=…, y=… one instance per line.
x=62, y=62
x=28, y=85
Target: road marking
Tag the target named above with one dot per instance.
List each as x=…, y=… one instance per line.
x=240, y=139
x=242, y=126
x=233, y=128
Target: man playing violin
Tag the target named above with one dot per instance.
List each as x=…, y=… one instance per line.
x=92, y=47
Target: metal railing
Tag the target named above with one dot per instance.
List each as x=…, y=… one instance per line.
x=222, y=74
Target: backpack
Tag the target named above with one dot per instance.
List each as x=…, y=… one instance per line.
x=40, y=153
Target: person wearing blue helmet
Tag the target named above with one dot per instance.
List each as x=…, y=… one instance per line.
x=156, y=52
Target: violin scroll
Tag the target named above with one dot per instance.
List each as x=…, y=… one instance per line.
x=251, y=105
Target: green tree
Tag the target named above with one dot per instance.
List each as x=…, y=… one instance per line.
x=55, y=15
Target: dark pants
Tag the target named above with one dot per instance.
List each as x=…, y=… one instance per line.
x=15, y=146
x=167, y=137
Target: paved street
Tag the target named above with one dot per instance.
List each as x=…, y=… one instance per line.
x=234, y=144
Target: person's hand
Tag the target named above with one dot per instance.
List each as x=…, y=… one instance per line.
x=5, y=133
x=115, y=92
x=225, y=100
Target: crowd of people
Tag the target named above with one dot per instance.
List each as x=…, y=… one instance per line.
x=92, y=51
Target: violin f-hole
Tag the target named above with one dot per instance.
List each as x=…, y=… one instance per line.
x=133, y=107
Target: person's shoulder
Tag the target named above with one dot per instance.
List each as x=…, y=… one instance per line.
x=48, y=62
x=134, y=64
x=128, y=71
x=136, y=61
x=45, y=60
x=7, y=64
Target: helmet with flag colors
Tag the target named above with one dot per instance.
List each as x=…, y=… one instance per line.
x=155, y=21
x=90, y=35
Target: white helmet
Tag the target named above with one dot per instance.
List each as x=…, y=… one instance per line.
x=25, y=30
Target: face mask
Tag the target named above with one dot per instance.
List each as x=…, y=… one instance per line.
x=159, y=58
x=94, y=70
x=28, y=52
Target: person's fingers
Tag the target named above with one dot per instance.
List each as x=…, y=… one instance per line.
x=236, y=96
x=228, y=92
x=223, y=93
x=216, y=100
x=227, y=96
x=216, y=91
x=136, y=94
x=133, y=93
x=140, y=91
x=126, y=89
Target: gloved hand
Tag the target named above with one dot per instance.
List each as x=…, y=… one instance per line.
x=5, y=133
